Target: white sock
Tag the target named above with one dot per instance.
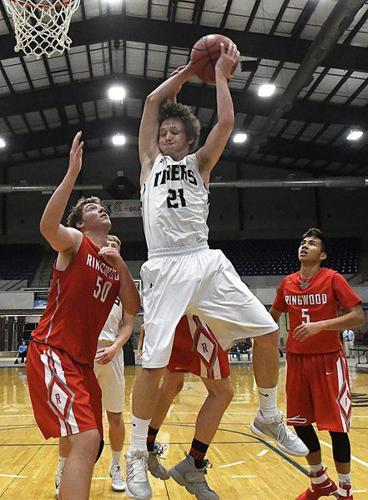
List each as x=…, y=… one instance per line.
x=61, y=463
x=344, y=478
x=267, y=401
x=115, y=456
x=139, y=434
x=316, y=468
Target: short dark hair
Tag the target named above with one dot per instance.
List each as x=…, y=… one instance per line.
x=75, y=215
x=317, y=233
x=192, y=125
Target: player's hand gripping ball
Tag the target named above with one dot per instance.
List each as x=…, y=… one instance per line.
x=204, y=55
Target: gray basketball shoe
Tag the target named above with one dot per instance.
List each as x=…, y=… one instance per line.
x=277, y=429
x=58, y=475
x=137, y=484
x=186, y=474
x=154, y=464
x=117, y=480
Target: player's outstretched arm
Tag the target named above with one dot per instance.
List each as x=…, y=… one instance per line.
x=148, y=131
x=214, y=146
x=61, y=238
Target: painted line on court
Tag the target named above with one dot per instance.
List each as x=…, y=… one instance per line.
x=261, y=453
x=255, y=439
x=15, y=476
x=242, y=476
x=232, y=464
x=356, y=459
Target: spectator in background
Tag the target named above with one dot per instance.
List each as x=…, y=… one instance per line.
x=348, y=338
x=22, y=352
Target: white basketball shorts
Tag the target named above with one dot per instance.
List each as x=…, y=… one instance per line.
x=112, y=382
x=202, y=283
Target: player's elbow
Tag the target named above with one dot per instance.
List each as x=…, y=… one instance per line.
x=226, y=125
x=152, y=99
x=132, y=307
x=360, y=318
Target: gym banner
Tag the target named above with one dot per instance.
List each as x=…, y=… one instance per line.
x=40, y=299
x=123, y=208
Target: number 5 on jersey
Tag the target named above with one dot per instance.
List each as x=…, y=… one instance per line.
x=102, y=289
x=305, y=316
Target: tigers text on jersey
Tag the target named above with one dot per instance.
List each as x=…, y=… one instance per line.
x=174, y=205
x=110, y=329
x=80, y=301
x=317, y=299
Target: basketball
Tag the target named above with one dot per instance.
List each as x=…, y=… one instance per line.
x=204, y=55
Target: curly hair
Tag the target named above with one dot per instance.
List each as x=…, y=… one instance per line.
x=75, y=214
x=191, y=123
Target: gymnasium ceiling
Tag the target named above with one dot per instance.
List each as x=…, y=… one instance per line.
x=319, y=96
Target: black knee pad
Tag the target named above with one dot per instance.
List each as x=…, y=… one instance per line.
x=309, y=437
x=100, y=449
x=341, y=446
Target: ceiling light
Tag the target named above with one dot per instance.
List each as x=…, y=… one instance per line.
x=118, y=140
x=240, y=138
x=266, y=90
x=354, y=135
x=117, y=93
x=2, y=143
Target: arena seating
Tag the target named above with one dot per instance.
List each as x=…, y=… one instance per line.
x=279, y=257
x=249, y=257
x=19, y=262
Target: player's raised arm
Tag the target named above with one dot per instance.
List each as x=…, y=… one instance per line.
x=148, y=131
x=216, y=141
x=61, y=238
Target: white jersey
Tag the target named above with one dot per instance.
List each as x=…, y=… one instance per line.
x=110, y=330
x=174, y=206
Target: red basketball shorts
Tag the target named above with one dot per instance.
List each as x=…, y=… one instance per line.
x=196, y=350
x=65, y=395
x=318, y=390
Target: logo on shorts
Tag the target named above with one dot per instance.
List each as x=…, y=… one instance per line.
x=151, y=285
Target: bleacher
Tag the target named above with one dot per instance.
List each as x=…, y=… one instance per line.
x=19, y=262
x=279, y=257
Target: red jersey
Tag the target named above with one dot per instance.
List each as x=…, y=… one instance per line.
x=80, y=301
x=317, y=299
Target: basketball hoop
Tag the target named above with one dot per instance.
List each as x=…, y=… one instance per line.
x=41, y=27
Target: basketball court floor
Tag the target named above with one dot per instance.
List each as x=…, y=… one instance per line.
x=244, y=467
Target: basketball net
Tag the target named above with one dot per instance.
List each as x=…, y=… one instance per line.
x=41, y=27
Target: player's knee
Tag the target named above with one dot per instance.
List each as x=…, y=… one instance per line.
x=341, y=446
x=115, y=419
x=87, y=443
x=172, y=385
x=309, y=437
x=222, y=390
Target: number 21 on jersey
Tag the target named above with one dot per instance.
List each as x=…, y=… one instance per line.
x=175, y=198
